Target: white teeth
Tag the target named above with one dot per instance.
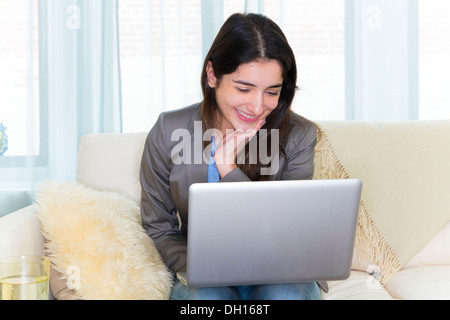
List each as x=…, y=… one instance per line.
x=245, y=115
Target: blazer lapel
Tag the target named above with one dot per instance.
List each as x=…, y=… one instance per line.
x=198, y=168
x=193, y=169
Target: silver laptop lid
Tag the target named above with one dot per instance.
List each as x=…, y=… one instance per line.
x=243, y=233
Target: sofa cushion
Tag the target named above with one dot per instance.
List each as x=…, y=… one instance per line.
x=97, y=242
x=436, y=252
x=360, y=286
x=111, y=162
x=421, y=283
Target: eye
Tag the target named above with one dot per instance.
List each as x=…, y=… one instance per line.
x=242, y=89
x=273, y=93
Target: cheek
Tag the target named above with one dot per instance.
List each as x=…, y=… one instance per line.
x=272, y=104
x=230, y=99
x=224, y=97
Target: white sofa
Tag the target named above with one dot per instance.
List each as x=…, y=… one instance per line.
x=111, y=162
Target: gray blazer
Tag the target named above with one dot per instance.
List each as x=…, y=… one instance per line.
x=165, y=180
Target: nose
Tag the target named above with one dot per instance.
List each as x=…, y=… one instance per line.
x=257, y=104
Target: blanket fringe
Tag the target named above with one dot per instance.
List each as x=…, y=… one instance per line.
x=372, y=248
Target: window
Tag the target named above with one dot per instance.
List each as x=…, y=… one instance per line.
x=161, y=58
x=161, y=55
x=19, y=79
x=19, y=106
x=434, y=59
x=315, y=30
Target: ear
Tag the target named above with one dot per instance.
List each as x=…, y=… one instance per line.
x=212, y=80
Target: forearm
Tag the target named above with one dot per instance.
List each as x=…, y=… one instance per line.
x=174, y=253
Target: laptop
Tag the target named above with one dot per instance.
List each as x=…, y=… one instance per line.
x=249, y=233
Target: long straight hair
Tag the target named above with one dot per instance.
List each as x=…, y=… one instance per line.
x=246, y=38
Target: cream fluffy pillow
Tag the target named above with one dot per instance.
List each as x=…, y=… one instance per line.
x=96, y=241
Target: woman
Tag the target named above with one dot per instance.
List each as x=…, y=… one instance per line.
x=248, y=82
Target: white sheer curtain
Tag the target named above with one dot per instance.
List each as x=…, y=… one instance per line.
x=357, y=59
x=70, y=86
x=434, y=59
x=79, y=75
x=382, y=60
x=161, y=58
x=163, y=43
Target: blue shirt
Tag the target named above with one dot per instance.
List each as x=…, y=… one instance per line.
x=213, y=173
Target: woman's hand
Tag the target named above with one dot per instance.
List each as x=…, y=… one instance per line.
x=231, y=145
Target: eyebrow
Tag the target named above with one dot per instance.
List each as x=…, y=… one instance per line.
x=245, y=83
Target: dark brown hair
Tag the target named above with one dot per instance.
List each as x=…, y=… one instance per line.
x=245, y=38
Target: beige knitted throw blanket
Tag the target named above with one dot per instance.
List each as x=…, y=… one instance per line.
x=405, y=169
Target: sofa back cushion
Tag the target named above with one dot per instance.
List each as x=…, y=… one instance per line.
x=111, y=162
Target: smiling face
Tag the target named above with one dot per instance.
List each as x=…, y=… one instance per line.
x=247, y=95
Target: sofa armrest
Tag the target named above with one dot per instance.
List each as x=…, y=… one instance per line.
x=20, y=234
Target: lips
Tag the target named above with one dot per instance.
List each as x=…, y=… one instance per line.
x=245, y=116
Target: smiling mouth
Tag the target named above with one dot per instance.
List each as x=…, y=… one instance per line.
x=245, y=115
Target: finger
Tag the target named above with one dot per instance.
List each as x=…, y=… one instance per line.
x=260, y=124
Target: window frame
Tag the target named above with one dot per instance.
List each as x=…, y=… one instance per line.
x=42, y=159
